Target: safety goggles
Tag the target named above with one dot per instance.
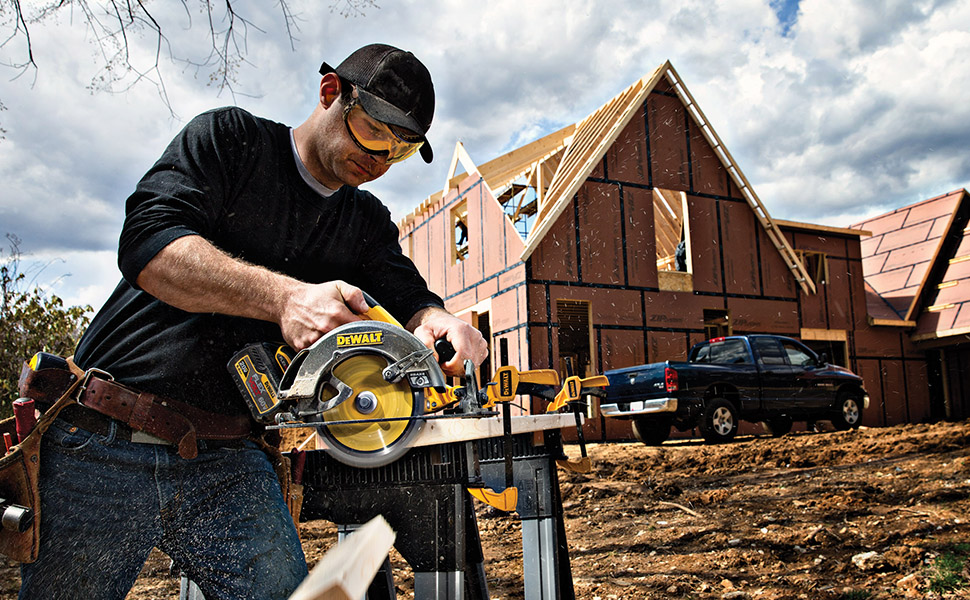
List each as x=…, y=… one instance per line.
x=375, y=137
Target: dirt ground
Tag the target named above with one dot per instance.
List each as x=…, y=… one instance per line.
x=846, y=515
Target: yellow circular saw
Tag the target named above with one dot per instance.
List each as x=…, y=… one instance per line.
x=364, y=384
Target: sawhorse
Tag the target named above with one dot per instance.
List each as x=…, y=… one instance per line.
x=423, y=496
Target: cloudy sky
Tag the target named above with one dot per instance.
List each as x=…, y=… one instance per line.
x=835, y=110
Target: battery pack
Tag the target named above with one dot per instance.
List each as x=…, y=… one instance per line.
x=257, y=370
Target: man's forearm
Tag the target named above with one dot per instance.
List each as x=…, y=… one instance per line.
x=193, y=275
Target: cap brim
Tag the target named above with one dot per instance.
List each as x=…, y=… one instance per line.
x=426, y=152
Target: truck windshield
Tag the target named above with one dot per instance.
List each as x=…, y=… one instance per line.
x=727, y=352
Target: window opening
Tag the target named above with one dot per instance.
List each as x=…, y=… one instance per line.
x=520, y=203
x=672, y=234
x=816, y=265
x=523, y=197
x=459, y=232
x=717, y=323
x=575, y=338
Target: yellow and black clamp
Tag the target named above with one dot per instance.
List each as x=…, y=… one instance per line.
x=574, y=389
x=502, y=389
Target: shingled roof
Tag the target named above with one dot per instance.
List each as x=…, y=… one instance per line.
x=917, y=266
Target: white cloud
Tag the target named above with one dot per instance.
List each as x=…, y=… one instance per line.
x=858, y=110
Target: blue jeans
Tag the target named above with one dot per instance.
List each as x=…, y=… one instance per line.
x=105, y=503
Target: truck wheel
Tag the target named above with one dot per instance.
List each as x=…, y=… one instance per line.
x=720, y=421
x=848, y=411
x=652, y=431
x=777, y=426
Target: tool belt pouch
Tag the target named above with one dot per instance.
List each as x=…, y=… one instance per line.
x=19, y=470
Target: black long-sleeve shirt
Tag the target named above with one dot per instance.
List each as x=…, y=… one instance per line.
x=233, y=179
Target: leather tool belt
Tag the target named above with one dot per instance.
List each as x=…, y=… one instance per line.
x=172, y=421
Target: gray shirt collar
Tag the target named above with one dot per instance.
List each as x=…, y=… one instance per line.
x=305, y=174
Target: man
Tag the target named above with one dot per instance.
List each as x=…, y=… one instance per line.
x=243, y=231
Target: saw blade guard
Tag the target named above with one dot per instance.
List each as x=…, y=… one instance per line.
x=407, y=357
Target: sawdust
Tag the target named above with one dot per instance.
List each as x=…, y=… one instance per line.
x=859, y=514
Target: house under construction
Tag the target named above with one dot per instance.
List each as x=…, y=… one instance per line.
x=632, y=235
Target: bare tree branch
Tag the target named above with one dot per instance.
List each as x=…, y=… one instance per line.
x=19, y=28
x=352, y=8
x=114, y=23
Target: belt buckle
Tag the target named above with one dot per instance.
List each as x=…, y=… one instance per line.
x=87, y=377
x=140, y=437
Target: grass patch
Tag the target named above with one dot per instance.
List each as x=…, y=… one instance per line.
x=949, y=572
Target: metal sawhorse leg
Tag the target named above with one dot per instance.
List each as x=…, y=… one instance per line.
x=545, y=554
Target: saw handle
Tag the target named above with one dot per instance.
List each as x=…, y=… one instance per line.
x=444, y=349
x=376, y=312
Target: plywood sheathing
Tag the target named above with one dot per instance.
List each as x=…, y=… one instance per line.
x=597, y=132
x=906, y=248
x=557, y=165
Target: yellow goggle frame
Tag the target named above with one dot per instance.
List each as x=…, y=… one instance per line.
x=375, y=137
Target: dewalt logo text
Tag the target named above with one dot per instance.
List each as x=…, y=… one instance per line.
x=367, y=338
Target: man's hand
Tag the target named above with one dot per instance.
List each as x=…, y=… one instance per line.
x=431, y=324
x=311, y=310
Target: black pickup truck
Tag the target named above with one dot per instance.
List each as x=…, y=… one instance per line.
x=770, y=379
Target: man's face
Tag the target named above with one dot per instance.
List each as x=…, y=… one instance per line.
x=351, y=164
x=344, y=145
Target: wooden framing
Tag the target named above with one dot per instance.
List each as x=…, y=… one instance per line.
x=827, y=335
x=591, y=138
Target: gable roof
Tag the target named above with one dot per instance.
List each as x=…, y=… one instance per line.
x=917, y=266
x=557, y=165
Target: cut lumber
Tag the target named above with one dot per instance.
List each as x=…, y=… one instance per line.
x=346, y=570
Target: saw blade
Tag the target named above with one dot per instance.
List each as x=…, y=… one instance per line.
x=370, y=444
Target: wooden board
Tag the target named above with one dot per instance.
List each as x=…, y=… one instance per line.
x=457, y=429
x=346, y=570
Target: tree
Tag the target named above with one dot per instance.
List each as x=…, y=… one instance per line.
x=30, y=321
x=114, y=24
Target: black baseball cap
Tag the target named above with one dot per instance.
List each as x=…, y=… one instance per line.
x=393, y=86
